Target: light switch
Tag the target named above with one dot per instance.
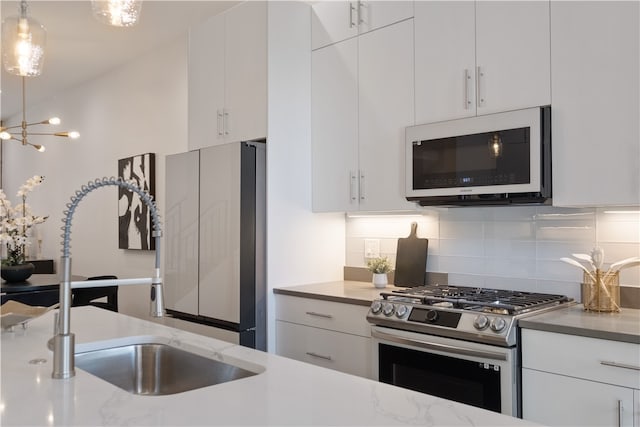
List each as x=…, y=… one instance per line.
x=371, y=248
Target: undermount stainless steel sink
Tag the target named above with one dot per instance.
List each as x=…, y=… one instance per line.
x=157, y=369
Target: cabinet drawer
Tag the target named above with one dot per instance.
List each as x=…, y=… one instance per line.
x=582, y=357
x=335, y=316
x=335, y=350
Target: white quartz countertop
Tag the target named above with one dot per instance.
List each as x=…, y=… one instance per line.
x=288, y=392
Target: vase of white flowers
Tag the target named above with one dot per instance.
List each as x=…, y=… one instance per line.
x=15, y=228
x=379, y=267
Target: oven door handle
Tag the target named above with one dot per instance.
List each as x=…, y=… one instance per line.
x=441, y=347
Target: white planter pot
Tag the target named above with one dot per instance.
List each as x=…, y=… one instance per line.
x=380, y=280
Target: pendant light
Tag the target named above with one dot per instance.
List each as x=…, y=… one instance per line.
x=23, y=40
x=118, y=13
x=24, y=135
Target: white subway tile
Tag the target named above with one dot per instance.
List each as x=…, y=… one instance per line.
x=461, y=230
x=510, y=248
x=459, y=264
x=461, y=247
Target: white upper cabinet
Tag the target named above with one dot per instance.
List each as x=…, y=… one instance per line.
x=334, y=21
x=475, y=58
x=445, y=60
x=512, y=55
x=228, y=77
x=334, y=126
x=595, y=103
x=385, y=108
x=362, y=100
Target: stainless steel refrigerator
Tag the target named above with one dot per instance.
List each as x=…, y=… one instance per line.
x=215, y=230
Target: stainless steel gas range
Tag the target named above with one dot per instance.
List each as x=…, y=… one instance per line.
x=456, y=342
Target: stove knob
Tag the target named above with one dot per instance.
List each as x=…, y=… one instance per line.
x=376, y=307
x=481, y=322
x=401, y=311
x=388, y=309
x=498, y=324
x=432, y=316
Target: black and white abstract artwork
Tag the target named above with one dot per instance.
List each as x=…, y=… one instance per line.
x=134, y=218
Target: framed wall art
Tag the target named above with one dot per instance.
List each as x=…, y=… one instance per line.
x=134, y=218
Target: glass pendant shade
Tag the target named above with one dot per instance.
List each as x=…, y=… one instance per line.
x=23, y=41
x=119, y=13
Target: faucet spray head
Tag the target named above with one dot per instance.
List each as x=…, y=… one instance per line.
x=157, y=297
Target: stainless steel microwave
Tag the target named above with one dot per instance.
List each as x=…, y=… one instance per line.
x=502, y=158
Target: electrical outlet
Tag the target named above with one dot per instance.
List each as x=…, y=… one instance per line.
x=371, y=248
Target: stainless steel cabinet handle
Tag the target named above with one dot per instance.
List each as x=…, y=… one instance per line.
x=360, y=14
x=352, y=8
x=620, y=410
x=480, y=94
x=220, y=123
x=619, y=365
x=352, y=186
x=225, y=122
x=361, y=185
x=467, y=100
x=313, y=313
x=319, y=356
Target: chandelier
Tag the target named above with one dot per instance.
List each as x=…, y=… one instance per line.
x=23, y=40
x=119, y=13
x=23, y=136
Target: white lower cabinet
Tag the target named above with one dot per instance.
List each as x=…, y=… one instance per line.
x=329, y=334
x=570, y=380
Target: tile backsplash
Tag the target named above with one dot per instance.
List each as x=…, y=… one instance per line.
x=515, y=247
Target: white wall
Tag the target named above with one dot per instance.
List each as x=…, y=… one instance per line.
x=302, y=247
x=138, y=108
x=507, y=247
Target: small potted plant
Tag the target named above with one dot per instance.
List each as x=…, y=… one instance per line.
x=379, y=267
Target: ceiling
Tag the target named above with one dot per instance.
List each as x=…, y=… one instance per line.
x=79, y=48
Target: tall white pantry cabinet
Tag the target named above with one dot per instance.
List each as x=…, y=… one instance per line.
x=362, y=100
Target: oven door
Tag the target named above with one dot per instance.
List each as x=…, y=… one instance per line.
x=480, y=375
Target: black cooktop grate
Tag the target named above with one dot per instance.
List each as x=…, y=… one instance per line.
x=478, y=299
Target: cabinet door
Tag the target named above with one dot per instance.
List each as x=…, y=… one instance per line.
x=445, y=60
x=377, y=14
x=206, y=83
x=512, y=55
x=385, y=108
x=558, y=400
x=596, y=103
x=333, y=21
x=245, y=109
x=334, y=122
x=220, y=232
x=181, y=232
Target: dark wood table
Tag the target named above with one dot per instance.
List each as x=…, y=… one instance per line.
x=40, y=290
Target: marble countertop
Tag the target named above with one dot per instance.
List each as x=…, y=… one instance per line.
x=574, y=320
x=350, y=292
x=288, y=392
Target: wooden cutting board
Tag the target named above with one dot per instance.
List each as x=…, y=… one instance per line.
x=411, y=259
